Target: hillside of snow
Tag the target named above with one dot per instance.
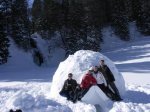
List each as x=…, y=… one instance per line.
x=21, y=66
x=26, y=86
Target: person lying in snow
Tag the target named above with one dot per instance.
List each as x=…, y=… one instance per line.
x=103, y=68
x=69, y=88
x=101, y=83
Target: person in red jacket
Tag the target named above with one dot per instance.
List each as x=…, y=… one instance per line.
x=87, y=81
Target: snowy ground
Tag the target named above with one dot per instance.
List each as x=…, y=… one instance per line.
x=133, y=61
x=29, y=88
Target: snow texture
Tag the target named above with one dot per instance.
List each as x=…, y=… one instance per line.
x=30, y=100
x=21, y=67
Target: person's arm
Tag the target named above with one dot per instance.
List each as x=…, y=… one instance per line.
x=99, y=69
x=65, y=85
x=63, y=88
x=75, y=83
x=83, y=82
x=81, y=85
x=93, y=81
x=110, y=73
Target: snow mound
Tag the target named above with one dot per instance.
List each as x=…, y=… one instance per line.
x=78, y=64
x=29, y=103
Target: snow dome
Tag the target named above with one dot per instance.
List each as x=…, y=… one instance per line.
x=78, y=64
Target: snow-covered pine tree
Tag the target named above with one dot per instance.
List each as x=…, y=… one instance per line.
x=119, y=19
x=20, y=24
x=4, y=42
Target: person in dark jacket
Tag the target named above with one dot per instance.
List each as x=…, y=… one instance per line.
x=109, y=78
x=69, y=88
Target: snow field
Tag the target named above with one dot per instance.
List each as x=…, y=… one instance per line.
x=30, y=97
x=137, y=99
x=34, y=97
x=131, y=59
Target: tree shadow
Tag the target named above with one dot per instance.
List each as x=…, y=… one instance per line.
x=39, y=75
x=137, y=97
x=128, y=54
x=139, y=67
x=132, y=52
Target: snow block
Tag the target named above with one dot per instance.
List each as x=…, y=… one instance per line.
x=78, y=64
x=96, y=96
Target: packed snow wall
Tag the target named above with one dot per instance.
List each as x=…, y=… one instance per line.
x=78, y=64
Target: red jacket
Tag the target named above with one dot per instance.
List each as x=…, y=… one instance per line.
x=87, y=81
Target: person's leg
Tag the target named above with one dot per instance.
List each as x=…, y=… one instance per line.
x=113, y=86
x=102, y=87
x=11, y=110
x=71, y=95
x=117, y=94
x=107, y=91
x=77, y=95
x=18, y=110
x=83, y=92
x=110, y=94
x=65, y=94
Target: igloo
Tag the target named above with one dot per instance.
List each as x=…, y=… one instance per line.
x=78, y=64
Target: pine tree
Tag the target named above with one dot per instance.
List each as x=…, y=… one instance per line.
x=95, y=20
x=129, y=10
x=20, y=24
x=7, y=14
x=81, y=28
x=75, y=26
x=4, y=42
x=64, y=24
x=146, y=17
x=135, y=4
x=51, y=18
x=96, y=12
x=37, y=15
x=141, y=14
x=119, y=19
